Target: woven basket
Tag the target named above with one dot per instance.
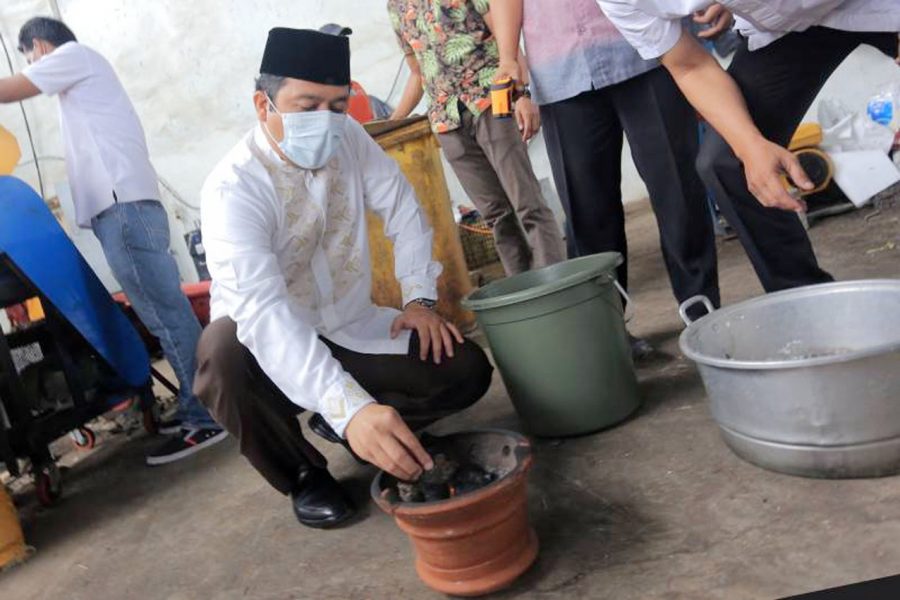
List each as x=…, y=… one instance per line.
x=478, y=244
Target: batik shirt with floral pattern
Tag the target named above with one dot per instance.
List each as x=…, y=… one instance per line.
x=455, y=50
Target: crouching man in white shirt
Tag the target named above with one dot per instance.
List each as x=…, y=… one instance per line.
x=294, y=326
x=789, y=49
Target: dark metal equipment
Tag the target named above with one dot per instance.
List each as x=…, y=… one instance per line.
x=74, y=364
x=58, y=385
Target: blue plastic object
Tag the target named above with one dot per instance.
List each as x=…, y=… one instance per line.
x=33, y=240
x=881, y=110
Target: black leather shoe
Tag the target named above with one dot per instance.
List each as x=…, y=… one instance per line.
x=320, y=501
x=321, y=428
x=641, y=349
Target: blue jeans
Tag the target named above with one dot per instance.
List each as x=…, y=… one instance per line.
x=135, y=239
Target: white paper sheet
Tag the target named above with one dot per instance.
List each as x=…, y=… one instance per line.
x=861, y=175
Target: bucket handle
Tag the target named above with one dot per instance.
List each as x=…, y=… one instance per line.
x=692, y=302
x=629, y=305
x=628, y=313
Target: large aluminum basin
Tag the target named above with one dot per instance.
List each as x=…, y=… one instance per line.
x=806, y=381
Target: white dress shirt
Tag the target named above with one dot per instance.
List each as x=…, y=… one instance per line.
x=654, y=26
x=288, y=252
x=106, y=151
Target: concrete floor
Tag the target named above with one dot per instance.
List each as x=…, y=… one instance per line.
x=655, y=508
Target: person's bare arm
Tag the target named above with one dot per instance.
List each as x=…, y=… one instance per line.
x=506, y=17
x=505, y=21
x=717, y=97
x=412, y=93
x=522, y=62
x=528, y=117
x=17, y=88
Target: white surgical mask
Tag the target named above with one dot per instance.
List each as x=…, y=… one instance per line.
x=311, y=138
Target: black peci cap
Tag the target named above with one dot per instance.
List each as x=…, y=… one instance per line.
x=308, y=55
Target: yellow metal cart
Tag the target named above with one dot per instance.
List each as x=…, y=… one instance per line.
x=411, y=143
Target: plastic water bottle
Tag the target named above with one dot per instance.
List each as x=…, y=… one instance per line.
x=881, y=109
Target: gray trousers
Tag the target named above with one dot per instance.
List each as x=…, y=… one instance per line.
x=491, y=161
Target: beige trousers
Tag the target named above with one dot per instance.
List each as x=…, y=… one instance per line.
x=491, y=161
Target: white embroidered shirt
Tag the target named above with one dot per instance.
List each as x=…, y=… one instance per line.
x=288, y=252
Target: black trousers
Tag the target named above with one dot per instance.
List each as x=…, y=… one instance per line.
x=243, y=400
x=584, y=138
x=779, y=82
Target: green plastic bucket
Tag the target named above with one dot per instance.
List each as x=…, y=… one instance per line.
x=558, y=337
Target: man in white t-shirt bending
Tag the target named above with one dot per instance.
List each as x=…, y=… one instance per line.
x=115, y=192
x=788, y=50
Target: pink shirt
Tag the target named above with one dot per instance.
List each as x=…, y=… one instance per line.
x=573, y=48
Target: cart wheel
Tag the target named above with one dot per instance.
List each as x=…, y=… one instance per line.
x=48, y=486
x=84, y=438
x=151, y=424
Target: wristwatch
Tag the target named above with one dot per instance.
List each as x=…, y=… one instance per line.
x=424, y=302
x=523, y=90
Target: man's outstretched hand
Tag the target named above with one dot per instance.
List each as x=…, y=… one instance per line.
x=718, y=98
x=378, y=435
x=765, y=165
x=435, y=334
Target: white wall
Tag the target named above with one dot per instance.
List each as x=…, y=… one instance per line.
x=189, y=67
x=41, y=111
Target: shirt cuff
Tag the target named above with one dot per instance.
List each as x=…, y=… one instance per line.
x=415, y=286
x=341, y=403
